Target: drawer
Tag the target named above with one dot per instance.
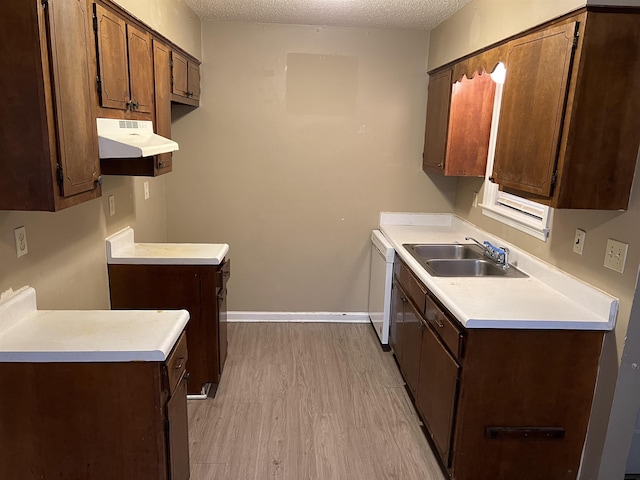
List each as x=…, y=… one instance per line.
x=176, y=362
x=414, y=288
x=444, y=327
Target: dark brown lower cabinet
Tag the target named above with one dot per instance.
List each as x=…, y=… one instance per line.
x=437, y=391
x=98, y=421
x=410, y=344
x=200, y=289
x=497, y=404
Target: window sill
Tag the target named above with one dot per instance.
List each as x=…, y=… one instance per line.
x=516, y=220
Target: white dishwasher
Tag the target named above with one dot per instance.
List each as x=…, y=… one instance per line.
x=382, y=255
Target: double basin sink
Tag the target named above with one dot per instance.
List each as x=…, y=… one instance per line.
x=458, y=260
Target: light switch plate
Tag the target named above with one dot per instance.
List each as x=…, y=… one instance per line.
x=578, y=241
x=615, y=255
x=21, y=241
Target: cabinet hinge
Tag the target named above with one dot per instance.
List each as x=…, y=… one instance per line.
x=171, y=62
x=99, y=84
x=95, y=22
x=554, y=178
x=59, y=173
x=576, y=35
x=45, y=3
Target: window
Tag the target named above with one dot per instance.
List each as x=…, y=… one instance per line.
x=525, y=215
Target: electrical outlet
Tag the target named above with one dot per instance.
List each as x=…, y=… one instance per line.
x=21, y=241
x=112, y=205
x=616, y=255
x=578, y=241
x=146, y=190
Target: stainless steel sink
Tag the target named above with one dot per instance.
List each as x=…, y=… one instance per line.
x=458, y=260
x=444, y=250
x=465, y=267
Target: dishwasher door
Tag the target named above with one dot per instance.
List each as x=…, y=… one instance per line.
x=382, y=254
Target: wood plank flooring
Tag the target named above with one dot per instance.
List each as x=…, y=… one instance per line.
x=308, y=401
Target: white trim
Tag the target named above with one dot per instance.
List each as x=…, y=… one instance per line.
x=299, y=317
x=504, y=215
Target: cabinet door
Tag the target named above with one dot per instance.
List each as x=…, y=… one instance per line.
x=437, y=391
x=411, y=344
x=193, y=81
x=395, y=322
x=435, y=136
x=72, y=82
x=111, y=31
x=180, y=73
x=140, y=69
x=178, y=433
x=162, y=80
x=224, y=273
x=469, y=126
x=532, y=111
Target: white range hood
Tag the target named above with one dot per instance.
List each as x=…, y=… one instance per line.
x=130, y=139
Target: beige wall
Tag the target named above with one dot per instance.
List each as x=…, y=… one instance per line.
x=66, y=261
x=484, y=22
x=291, y=169
x=610, y=429
x=171, y=18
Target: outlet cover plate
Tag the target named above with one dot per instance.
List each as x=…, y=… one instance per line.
x=615, y=255
x=578, y=241
x=112, y=205
x=21, y=241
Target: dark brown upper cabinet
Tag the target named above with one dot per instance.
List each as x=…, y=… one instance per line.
x=185, y=80
x=569, y=127
x=157, y=164
x=162, y=75
x=125, y=66
x=48, y=133
x=458, y=123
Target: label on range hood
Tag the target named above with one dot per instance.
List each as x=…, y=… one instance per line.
x=130, y=139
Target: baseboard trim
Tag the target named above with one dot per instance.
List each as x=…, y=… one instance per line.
x=299, y=317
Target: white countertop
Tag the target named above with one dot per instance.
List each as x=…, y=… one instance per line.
x=122, y=249
x=548, y=299
x=31, y=335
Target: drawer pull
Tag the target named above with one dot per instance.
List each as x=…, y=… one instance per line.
x=179, y=366
x=434, y=319
x=524, y=433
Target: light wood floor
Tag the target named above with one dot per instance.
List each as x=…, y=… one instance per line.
x=308, y=401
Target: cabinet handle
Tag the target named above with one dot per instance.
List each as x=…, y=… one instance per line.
x=440, y=165
x=189, y=94
x=160, y=164
x=98, y=181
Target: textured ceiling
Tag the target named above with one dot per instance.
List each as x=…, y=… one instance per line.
x=413, y=14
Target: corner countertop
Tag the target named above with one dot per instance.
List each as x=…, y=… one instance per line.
x=31, y=335
x=548, y=299
x=122, y=249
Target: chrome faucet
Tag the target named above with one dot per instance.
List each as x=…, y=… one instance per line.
x=500, y=255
